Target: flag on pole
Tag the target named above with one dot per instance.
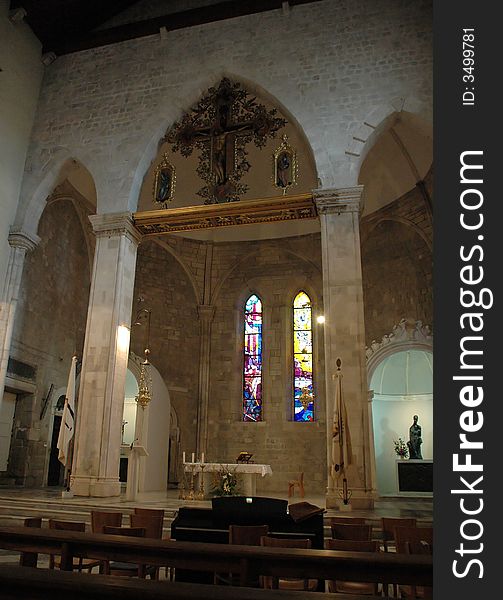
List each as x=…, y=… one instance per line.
x=67, y=428
x=341, y=439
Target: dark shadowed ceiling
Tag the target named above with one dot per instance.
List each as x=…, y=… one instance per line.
x=65, y=26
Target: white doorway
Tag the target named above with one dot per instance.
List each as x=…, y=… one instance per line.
x=403, y=387
x=6, y=421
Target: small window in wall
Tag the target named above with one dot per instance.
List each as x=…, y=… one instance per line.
x=303, y=358
x=252, y=369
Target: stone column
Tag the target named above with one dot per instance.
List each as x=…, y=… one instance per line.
x=206, y=313
x=95, y=469
x=20, y=243
x=345, y=333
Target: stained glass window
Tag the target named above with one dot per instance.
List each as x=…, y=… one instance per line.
x=303, y=358
x=252, y=371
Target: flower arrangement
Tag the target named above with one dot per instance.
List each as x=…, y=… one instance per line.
x=225, y=483
x=401, y=448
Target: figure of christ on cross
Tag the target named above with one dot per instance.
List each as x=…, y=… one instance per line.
x=221, y=134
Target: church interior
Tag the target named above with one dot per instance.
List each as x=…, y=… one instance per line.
x=223, y=210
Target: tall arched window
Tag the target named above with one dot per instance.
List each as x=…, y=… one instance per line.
x=303, y=358
x=252, y=369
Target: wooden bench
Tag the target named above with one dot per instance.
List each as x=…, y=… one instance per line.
x=247, y=561
x=40, y=584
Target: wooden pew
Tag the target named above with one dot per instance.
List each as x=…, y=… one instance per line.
x=40, y=584
x=248, y=561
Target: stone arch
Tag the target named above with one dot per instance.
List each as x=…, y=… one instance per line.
x=366, y=133
x=185, y=267
x=155, y=427
x=408, y=334
x=241, y=261
x=390, y=415
x=174, y=112
x=84, y=222
x=407, y=222
x=38, y=191
x=396, y=276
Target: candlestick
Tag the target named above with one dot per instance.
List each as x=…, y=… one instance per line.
x=183, y=459
x=202, y=457
x=193, y=457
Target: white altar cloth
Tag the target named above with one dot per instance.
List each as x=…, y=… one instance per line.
x=248, y=471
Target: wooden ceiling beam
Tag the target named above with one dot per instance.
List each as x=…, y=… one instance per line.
x=171, y=22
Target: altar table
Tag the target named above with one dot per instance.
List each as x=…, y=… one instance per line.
x=247, y=472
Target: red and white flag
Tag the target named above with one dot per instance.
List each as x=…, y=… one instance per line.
x=341, y=438
x=67, y=428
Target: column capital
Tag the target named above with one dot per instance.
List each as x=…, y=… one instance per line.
x=115, y=224
x=24, y=240
x=330, y=201
x=206, y=312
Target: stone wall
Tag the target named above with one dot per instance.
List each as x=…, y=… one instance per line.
x=49, y=329
x=22, y=72
x=174, y=338
x=332, y=65
x=276, y=270
x=397, y=265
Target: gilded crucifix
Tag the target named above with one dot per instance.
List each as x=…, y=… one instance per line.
x=220, y=126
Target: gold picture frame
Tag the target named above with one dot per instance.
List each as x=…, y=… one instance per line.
x=164, y=182
x=285, y=166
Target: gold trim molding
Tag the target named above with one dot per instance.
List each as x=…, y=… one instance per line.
x=245, y=212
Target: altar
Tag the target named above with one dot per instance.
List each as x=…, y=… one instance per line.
x=201, y=474
x=414, y=477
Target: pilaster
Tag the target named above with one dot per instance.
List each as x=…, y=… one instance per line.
x=20, y=243
x=344, y=335
x=95, y=469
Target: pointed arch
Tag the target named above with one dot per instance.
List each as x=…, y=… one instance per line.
x=161, y=123
x=303, y=396
x=252, y=359
x=51, y=176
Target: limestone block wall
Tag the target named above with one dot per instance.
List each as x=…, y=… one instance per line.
x=275, y=270
x=49, y=329
x=174, y=338
x=332, y=65
x=22, y=72
x=397, y=265
x=170, y=276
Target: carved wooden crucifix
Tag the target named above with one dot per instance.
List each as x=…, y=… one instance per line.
x=221, y=125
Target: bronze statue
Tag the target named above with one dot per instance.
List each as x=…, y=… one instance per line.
x=415, y=440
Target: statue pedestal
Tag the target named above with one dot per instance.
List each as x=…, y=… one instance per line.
x=414, y=477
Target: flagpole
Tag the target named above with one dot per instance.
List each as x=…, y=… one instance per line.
x=68, y=465
x=341, y=449
x=67, y=428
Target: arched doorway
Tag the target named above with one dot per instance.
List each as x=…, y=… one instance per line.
x=149, y=428
x=400, y=371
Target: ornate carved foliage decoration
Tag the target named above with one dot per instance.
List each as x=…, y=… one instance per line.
x=407, y=334
x=220, y=126
x=267, y=210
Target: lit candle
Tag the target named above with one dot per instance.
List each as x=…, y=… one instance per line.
x=193, y=459
x=183, y=459
x=202, y=457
